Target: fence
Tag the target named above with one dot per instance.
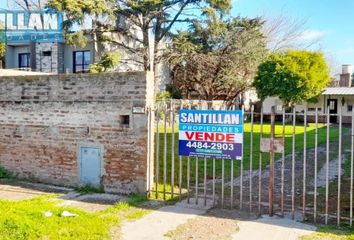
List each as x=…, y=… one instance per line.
x=312, y=179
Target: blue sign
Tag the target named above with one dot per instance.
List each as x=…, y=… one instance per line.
x=211, y=134
x=21, y=26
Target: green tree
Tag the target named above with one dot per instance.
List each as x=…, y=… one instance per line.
x=108, y=61
x=148, y=22
x=218, y=58
x=293, y=75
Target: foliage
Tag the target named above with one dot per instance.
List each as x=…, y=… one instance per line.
x=4, y=173
x=164, y=95
x=2, y=42
x=145, y=23
x=330, y=232
x=293, y=75
x=218, y=58
x=85, y=189
x=108, y=61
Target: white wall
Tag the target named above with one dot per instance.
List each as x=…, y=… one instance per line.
x=12, y=53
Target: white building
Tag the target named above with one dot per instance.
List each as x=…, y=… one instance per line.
x=339, y=98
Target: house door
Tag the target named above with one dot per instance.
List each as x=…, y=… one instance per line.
x=90, y=165
x=333, y=109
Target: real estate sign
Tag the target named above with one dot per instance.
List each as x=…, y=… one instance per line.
x=22, y=26
x=211, y=134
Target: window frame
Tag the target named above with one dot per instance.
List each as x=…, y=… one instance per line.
x=85, y=67
x=20, y=60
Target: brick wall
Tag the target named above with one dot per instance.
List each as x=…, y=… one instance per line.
x=44, y=120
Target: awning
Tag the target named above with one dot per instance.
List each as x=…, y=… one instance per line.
x=339, y=91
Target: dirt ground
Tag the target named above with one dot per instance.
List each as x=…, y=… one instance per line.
x=217, y=224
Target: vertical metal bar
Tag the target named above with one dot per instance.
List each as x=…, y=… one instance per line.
x=180, y=172
x=196, y=180
x=316, y=167
x=241, y=169
x=293, y=166
x=339, y=164
x=188, y=172
x=271, y=162
x=157, y=154
x=351, y=173
x=205, y=181
x=165, y=153
x=213, y=181
x=222, y=182
x=327, y=166
x=232, y=185
x=149, y=152
x=282, y=167
x=188, y=178
x=251, y=156
x=304, y=167
x=260, y=166
x=172, y=149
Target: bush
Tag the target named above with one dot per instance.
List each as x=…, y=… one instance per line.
x=4, y=173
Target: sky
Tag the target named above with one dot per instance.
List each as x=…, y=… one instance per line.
x=330, y=21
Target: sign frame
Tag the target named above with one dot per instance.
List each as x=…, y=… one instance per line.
x=215, y=134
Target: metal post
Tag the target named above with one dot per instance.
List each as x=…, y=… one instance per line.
x=251, y=156
x=150, y=129
x=222, y=182
x=339, y=164
x=172, y=149
x=241, y=169
x=260, y=167
x=180, y=172
x=205, y=181
x=271, y=162
x=351, y=173
x=157, y=155
x=293, y=166
x=196, y=180
x=282, y=167
x=304, y=167
x=232, y=185
x=327, y=166
x=213, y=181
x=316, y=167
x=165, y=154
x=188, y=177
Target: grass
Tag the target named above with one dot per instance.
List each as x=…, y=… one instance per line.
x=168, y=198
x=331, y=233
x=25, y=220
x=299, y=146
x=86, y=189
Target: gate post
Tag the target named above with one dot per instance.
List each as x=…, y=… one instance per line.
x=271, y=161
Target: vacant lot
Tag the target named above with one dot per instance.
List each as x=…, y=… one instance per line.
x=26, y=219
x=165, y=148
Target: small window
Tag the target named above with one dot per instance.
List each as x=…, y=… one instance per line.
x=24, y=60
x=350, y=108
x=47, y=53
x=125, y=120
x=82, y=61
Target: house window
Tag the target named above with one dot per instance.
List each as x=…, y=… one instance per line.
x=47, y=53
x=349, y=108
x=24, y=60
x=82, y=61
